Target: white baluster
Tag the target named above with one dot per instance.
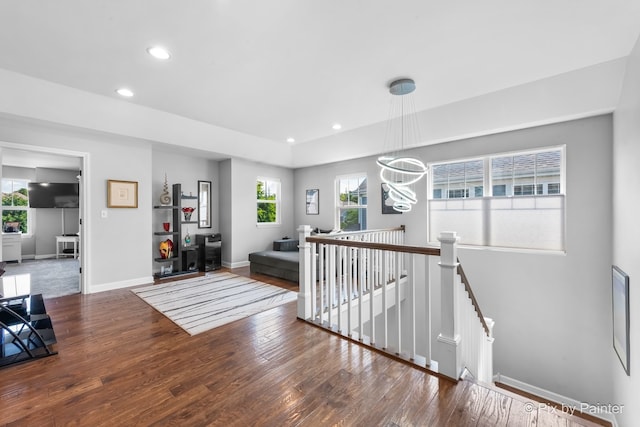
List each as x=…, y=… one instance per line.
x=323, y=278
x=372, y=316
x=362, y=277
x=411, y=302
x=397, y=303
x=427, y=307
x=385, y=323
x=314, y=279
x=304, y=277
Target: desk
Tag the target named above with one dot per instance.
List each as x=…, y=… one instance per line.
x=67, y=239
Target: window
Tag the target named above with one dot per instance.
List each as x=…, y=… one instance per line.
x=268, y=201
x=524, y=210
x=15, y=203
x=458, y=180
x=521, y=174
x=351, y=202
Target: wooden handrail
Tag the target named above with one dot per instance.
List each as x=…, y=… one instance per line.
x=422, y=250
x=354, y=233
x=474, y=301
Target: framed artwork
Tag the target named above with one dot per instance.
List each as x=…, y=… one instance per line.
x=620, y=300
x=313, y=202
x=387, y=203
x=122, y=194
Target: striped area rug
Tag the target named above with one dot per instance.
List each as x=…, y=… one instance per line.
x=206, y=302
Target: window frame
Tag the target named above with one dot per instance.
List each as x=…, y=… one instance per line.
x=468, y=190
x=277, y=201
x=26, y=208
x=339, y=207
x=488, y=184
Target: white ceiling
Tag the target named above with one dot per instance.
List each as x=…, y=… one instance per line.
x=291, y=68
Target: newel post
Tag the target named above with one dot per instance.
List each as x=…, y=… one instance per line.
x=304, y=278
x=448, y=342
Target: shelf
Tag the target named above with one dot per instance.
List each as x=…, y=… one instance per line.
x=165, y=233
x=189, y=222
x=183, y=197
x=166, y=207
x=159, y=276
x=172, y=259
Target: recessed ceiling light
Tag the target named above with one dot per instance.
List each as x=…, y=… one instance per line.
x=336, y=126
x=125, y=92
x=159, y=52
x=291, y=140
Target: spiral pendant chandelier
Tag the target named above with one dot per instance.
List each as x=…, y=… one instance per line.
x=398, y=172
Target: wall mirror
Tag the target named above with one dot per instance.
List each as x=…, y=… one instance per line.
x=204, y=204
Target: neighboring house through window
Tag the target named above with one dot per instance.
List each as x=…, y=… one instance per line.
x=523, y=209
x=15, y=203
x=351, y=203
x=268, y=201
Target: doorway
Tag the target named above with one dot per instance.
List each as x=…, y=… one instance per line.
x=54, y=268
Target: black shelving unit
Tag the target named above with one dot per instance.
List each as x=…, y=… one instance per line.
x=178, y=267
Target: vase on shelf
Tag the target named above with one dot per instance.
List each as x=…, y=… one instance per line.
x=165, y=198
x=187, y=213
x=187, y=239
x=166, y=226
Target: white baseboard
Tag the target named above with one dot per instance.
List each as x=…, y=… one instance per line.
x=235, y=264
x=119, y=285
x=566, y=402
x=45, y=256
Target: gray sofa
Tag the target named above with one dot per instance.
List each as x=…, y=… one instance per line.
x=282, y=261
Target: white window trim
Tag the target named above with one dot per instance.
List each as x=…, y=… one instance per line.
x=277, y=202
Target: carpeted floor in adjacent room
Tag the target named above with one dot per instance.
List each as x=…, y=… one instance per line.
x=49, y=277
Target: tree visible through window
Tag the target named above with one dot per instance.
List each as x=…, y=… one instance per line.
x=268, y=201
x=352, y=202
x=15, y=203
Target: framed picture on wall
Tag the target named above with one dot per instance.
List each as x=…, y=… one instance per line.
x=387, y=203
x=313, y=202
x=620, y=299
x=122, y=194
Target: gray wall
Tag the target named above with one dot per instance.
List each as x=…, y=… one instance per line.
x=552, y=311
x=47, y=223
x=238, y=209
x=226, y=210
x=626, y=233
x=118, y=244
x=185, y=170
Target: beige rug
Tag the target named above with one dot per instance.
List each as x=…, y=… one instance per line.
x=206, y=302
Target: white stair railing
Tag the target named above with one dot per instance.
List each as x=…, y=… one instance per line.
x=370, y=287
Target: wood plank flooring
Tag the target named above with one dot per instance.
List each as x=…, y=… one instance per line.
x=121, y=363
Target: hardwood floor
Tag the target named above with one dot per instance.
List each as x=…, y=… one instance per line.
x=122, y=363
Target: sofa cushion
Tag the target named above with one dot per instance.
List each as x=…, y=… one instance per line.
x=285, y=245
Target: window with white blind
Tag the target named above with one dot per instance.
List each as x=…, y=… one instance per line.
x=513, y=200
